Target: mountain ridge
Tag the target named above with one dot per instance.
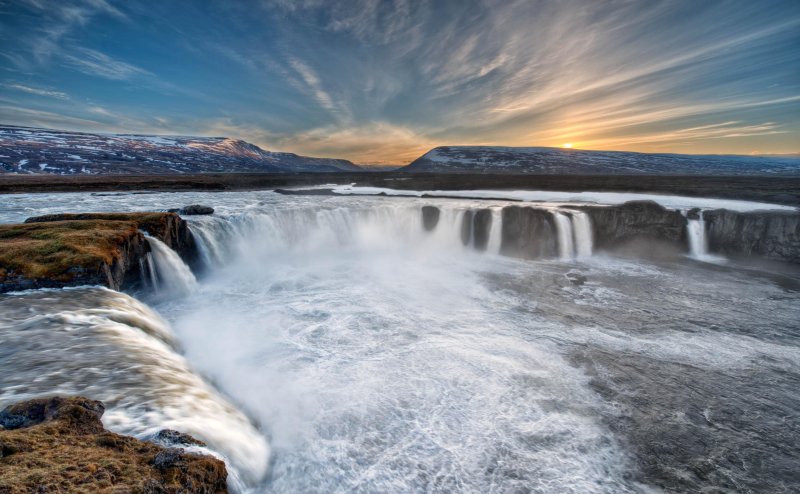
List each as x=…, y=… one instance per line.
x=555, y=161
x=33, y=150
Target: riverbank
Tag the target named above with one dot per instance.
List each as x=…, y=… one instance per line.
x=778, y=190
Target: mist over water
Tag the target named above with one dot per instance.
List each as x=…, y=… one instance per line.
x=373, y=356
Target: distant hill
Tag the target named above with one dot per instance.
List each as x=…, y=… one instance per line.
x=25, y=150
x=557, y=161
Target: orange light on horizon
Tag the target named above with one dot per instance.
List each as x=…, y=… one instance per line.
x=567, y=145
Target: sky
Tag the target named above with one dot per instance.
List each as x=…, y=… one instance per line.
x=383, y=81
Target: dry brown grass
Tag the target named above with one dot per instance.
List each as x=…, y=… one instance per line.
x=50, y=249
x=154, y=223
x=73, y=453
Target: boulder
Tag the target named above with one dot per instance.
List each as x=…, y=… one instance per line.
x=196, y=209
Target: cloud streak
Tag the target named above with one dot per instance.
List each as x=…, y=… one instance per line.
x=380, y=81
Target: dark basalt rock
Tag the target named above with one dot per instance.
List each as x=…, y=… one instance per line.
x=481, y=226
x=196, y=209
x=637, y=221
x=430, y=217
x=576, y=278
x=466, y=226
x=772, y=235
x=169, y=437
x=528, y=233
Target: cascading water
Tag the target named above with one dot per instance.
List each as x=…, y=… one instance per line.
x=496, y=231
x=566, y=245
x=382, y=357
x=121, y=353
x=169, y=274
x=582, y=231
x=696, y=230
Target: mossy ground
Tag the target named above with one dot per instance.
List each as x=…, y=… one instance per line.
x=52, y=246
x=49, y=250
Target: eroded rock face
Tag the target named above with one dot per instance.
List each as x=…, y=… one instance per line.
x=772, y=235
x=108, y=249
x=482, y=225
x=59, y=445
x=639, y=221
x=528, y=233
x=430, y=217
x=167, y=227
x=70, y=253
x=466, y=227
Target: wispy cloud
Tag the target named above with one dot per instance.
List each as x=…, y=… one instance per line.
x=93, y=62
x=38, y=91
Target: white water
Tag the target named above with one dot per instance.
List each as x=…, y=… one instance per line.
x=170, y=276
x=566, y=198
x=696, y=230
x=381, y=358
x=496, y=231
x=582, y=231
x=566, y=246
x=107, y=346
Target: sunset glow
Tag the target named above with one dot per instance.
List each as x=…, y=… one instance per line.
x=372, y=82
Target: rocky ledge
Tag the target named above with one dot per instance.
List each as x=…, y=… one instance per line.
x=106, y=249
x=59, y=445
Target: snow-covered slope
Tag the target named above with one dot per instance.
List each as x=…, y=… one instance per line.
x=557, y=161
x=27, y=150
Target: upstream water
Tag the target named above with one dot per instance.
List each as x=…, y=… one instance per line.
x=333, y=345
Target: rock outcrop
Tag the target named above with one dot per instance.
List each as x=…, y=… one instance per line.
x=528, y=233
x=771, y=235
x=481, y=226
x=106, y=249
x=430, y=217
x=637, y=221
x=194, y=209
x=59, y=445
x=167, y=227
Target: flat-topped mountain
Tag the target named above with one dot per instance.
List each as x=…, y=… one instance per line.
x=558, y=161
x=25, y=150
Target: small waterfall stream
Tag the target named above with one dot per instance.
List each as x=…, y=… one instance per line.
x=566, y=244
x=696, y=229
x=168, y=273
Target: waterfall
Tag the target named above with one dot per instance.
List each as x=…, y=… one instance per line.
x=566, y=245
x=696, y=231
x=582, y=231
x=169, y=274
x=496, y=231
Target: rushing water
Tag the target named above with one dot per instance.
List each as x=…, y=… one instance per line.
x=365, y=354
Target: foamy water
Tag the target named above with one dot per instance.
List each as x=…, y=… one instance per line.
x=373, y=356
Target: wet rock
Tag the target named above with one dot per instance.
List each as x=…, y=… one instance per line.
x=466, y=227
x=528, y=233
x=196, y=209
x=772, y=235
x=576, y=278
x=169, y=437
x=482, y=225
x=430, y=217
x=693, y=214
x=637, y=221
